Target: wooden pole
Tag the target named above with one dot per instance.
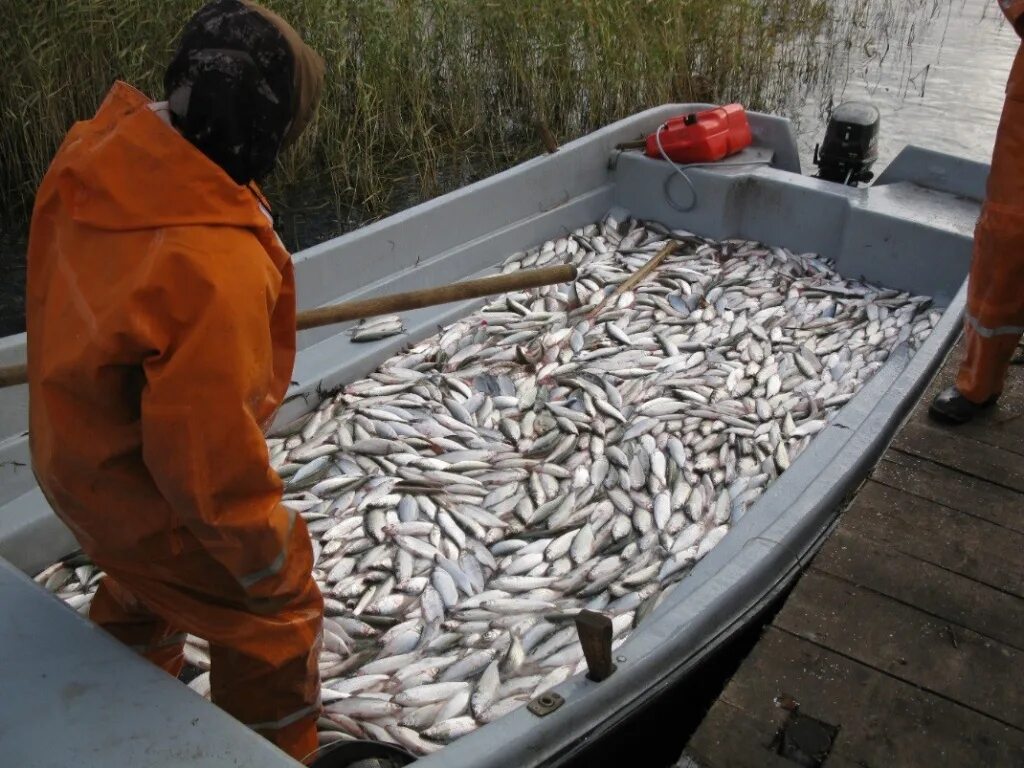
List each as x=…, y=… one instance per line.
x=634, y=279
x=595, y=633
x=12, y=375
x=430, y=297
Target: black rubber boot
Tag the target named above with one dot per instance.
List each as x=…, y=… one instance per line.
x=950, y=407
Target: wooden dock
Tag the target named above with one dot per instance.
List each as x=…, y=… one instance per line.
x=903, y=643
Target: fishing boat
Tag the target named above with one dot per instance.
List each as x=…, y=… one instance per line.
x=72, y=695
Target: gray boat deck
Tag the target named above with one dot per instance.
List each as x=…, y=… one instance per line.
x=903, y=643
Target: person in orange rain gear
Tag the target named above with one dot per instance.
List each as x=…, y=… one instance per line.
x=995, y=289
x=161, y=339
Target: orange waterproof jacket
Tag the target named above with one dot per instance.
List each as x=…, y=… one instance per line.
x=161, y=339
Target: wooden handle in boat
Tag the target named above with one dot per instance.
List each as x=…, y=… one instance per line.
x=431, y=297
x=12, y=375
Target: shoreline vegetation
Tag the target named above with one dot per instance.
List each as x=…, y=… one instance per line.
x=422, y=96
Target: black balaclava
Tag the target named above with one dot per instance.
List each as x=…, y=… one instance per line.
x=232, y=88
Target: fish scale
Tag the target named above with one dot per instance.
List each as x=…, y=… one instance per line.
x=469, y=496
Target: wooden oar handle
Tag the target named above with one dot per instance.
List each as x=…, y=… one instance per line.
x=430, y=297
x=12, y=375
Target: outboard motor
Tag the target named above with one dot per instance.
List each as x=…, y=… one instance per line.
x=850, y=147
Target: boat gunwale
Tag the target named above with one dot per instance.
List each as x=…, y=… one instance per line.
x=723, y=606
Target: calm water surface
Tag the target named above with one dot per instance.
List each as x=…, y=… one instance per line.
x=936, y=70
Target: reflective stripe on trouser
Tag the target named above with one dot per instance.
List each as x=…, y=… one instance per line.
x=118, y=611
x=995, y=303
x=295, y=734
x=986, y=360
x=264, y=640
x=995, y=290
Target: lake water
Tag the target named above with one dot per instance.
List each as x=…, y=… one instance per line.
x=936, y=70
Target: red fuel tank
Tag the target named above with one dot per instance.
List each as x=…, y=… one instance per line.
x=702, y=137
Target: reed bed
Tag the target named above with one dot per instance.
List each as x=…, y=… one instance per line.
x=422, y=95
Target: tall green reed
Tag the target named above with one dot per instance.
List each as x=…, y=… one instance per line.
x=422, y=95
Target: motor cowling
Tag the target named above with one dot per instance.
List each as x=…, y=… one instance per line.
x=850, y=146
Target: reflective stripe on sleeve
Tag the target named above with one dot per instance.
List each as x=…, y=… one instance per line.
x=275, y=567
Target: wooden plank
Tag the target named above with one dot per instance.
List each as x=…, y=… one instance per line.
x=729, y=738
x=951, y=489
x=946, y=595
x=882, y=721
x=939, y=535
x=944, y=446
x=906, y=643
x=905, y=633
x=1002, y=426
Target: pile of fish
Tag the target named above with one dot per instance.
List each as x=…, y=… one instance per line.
x=562, y=448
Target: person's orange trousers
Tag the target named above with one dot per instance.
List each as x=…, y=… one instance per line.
x=995, y=291
x=263, y=651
